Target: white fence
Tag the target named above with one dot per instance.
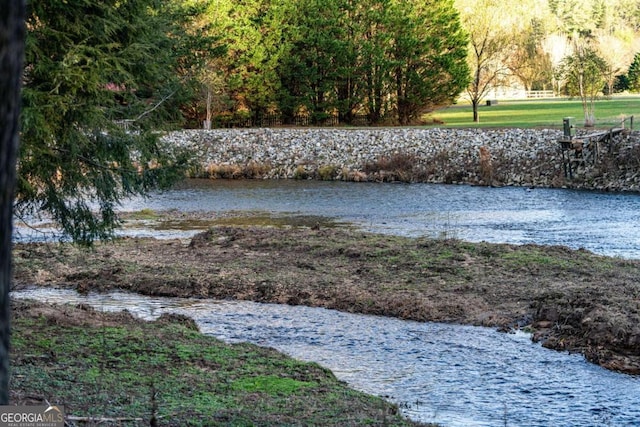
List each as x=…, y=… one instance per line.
x=540, y=94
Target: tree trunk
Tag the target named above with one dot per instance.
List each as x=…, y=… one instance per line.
x=476, y=116
x=12, y=34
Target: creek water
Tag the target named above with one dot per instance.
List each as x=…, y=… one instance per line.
x=605, y=223
x=453, y=375
x=450, y=374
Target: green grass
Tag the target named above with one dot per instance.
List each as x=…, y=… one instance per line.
x=538, y=113
x=534, y=257
x=143, y=214
x=140, y=370
x=271, y=384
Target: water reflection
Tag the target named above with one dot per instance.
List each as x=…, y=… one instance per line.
x=450, y=374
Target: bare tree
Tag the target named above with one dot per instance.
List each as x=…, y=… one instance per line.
x=584, y=75
x=528, y=60
x=618, y=53
x=12, y=34
x=489, y=42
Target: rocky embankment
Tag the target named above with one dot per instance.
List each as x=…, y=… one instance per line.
x=520, y=157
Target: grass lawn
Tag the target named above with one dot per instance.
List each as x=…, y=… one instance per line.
x=546, y=113
x=113, y=370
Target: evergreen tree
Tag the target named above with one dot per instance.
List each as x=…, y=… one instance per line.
x=621, y=84
x=320, y=59
x=430, y=56
x=349, y=86
x=91, y=64
x=346, y=55
x=253, y=33
x=633, y=75
x=377, y=64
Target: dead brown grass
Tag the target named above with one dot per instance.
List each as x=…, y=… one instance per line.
x=572, y=299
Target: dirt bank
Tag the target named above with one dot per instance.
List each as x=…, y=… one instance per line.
x=571, y=300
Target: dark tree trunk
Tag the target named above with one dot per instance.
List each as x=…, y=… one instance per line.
x=12, y=34
x=476, y=115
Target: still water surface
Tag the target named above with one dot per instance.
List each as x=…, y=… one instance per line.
x=604, y=223
x=459, y=376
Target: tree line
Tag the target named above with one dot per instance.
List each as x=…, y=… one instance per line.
x=384, y=59
x=351, y=61
x=101, y=77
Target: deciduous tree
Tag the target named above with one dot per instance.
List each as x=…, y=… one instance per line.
x=617, y=53
x=528, y=61
x=488, y=48
x=584, y=74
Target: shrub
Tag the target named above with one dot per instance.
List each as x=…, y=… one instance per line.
x=396, y=167
x=300, y=173
x=327, y=172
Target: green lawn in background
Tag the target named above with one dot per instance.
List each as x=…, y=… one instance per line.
x=539, y=113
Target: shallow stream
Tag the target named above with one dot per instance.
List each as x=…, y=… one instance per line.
x=460, y=376
x=604, y=223
x=453, y=375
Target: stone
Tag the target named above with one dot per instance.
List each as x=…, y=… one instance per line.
x=522, y=157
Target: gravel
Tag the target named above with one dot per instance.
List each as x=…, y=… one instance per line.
x=520, y=157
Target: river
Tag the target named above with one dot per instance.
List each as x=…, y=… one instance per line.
x=454, y=375
x=459, y=376
x=605, y=223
